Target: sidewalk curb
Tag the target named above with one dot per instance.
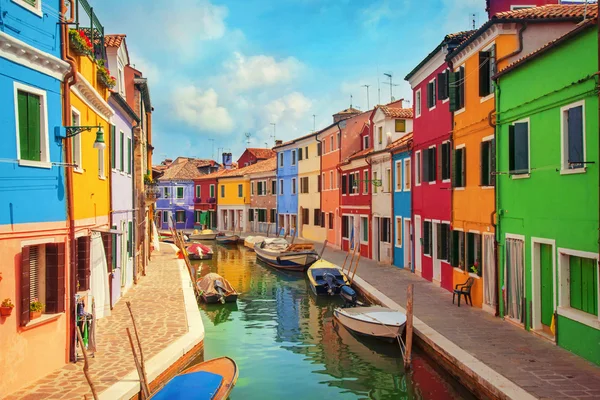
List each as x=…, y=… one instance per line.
x=477, y=376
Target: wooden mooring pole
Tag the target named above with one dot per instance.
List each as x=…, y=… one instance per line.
x=143, y=382
x=323, y=249
x=409, y=326
x=85, y=365
x=139, y=343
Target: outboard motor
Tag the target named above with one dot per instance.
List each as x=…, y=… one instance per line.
x=349, y=296
x=331, y=283
x=221, y=290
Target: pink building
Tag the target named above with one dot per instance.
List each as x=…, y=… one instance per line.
x=494, y=7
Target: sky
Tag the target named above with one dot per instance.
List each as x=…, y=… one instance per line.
x=219, y=69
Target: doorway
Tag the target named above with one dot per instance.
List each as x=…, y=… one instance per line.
x=514, y=279
x=408, y=245
x=437, y=263
x=418, y=244
x=543, y=285
x=376, y=244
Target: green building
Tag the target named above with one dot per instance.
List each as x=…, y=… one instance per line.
x=547, y=191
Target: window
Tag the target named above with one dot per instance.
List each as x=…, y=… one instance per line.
x=197, y=216
x=222, y=191
x=272, y=216
x=293, y=185
x=429, y=164
x=388, y=180
x=418, y=103
x=166, y=192
x=400, y=125
x=331, y=143
x=339, y=140
x=129, y=156
x=583, y=284
x=165, y=219
x=460, y=179
x=364, y=224
x=262, y=215
x=457, y=89
x=32, y=125
x=261, y=187
x=212, y=191
x=445, y=161
x=251, y=215
x=198, y=187
x=304, y=184
x=325, y=146
x=121, y=78
x=442, y=89
x=518, y=148
x=251, y=188
x=473, y=262
x=240, y=190
x=300, y=152
x=407, y=174
x=76, y=141
x=487, y=69
x=179, y=192
x=293, y=157
x=345, y=227
x=122, y=151
x=365, y=181
x=320, y=181
x=380, y=135
x=281, y=187
x=280, y=160
x=317, y=217
x=418, y=168
x=573, y=136
x=344, y=184
x=305, y=216
x=427, y=238
x=319, y=151
x=398, y=176
x=35, y=6
x=365, y=142
x=331, y=180
x=398, y=231
x=101, y=171
x=443, y=242
x=354, y=182
x=180, y=216
x=330, y=220
x=306, y=152
x=488, y=162
x=457, y=247
x=273, y=186
x=431, y=94
x=376, y=182
x=385, y=230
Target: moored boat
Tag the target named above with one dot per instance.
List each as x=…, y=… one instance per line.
x=294, y=257
x=210, y=380
x=380, y=322
x=227, y=239
x=198, y=251
x=326, y=279
x=214, y=289
x=250, y=241
x=205, y=234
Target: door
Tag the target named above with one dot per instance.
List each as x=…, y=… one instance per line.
x=408, y=245
x=547, y=286
x=437, y=263
x=514, y=278
x=418, y=244
x=489, y=273
x=376, y=244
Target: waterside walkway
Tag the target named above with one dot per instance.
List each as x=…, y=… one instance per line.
x=169, y=324
x=509, y=360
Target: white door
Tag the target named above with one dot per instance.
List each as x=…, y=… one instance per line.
x=408, y=245
x=418, y=243
x=437, y=263
x=376, y=244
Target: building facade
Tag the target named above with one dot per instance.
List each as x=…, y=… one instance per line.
x=287, y=188
x=233, y=202
x=401, y=181
x=311, y=219
x=263, y=199
x=254, y=155
x=205, y=200
x=547, y=202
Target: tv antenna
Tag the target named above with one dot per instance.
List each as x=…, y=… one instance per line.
x=391, y=86
x=247, y=134
x=212, y=148
x=314, y=122
x=367, y=87
x=473, y=20
x=266, y=145
x=274, y=131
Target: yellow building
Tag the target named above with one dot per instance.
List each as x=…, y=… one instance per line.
x=311, y=218
x=233, y=201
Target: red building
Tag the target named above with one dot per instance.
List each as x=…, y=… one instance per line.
x=253, y=155
x=494, y=7
x=205, y=200
x=432, y=147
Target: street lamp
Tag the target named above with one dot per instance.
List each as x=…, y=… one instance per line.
x=99, y=144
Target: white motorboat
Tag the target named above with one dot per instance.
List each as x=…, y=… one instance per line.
x=294, y=257
x=380, y=322
x=250, y=241
x=205, y=234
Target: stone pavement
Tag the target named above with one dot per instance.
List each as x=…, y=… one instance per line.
x=158, y=305
x=536, y=365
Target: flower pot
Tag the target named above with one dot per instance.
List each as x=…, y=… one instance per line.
x=5, y=311
x=79, y=49
x=34, y=314
x=105, y=81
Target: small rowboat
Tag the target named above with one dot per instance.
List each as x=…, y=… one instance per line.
x=211, y=380
x=228, y=239
x=326, y=279
x=380, y=322
x=214, y=289
x=206, y=234
x=250, y=241
x=295, y=257
x=198, y=251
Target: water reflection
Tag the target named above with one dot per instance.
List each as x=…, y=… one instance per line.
x=286, y=343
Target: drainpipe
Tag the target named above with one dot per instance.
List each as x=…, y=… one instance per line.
x=519, y=49
x=368, y=161
x=495, y=213
x=69, y=79
x=598, y=29
x=135, y=206
x=392, y=216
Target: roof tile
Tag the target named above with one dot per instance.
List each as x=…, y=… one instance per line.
x=261, y=153
x=114, y=40
x=391, y=112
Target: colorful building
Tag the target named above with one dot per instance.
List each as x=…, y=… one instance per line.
x=401, y=181
x=263, y=198
x=547, y=191
x=254, y=155
x=233, y=200
x=432, y=192
x=328, y=151
x=389, y=123
x=33, y=223
x=310, y=185
x=500, y=41
x=205, y=200
x=287, y=188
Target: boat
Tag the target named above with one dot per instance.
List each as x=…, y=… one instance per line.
x=214, y=289
x=326, y=279
x=198, y=251
x=227, y=239
x=205, y=234
x=380, y=322
x=210, y=380
x=250, y=241
x=294, y=257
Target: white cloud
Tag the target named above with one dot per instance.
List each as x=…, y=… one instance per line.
x=291, y=107
x=381, y=10
x=148, y=68
x=201, y=109
x=246, y=73
x=194, y=21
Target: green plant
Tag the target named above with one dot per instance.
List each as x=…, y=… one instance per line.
x=475, y=268
x=104, y=75
x=7, y=303
x=36, y=305
x=80, y=43
x=148, y=180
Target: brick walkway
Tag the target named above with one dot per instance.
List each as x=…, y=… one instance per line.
x=158, y=305
x=536, y=365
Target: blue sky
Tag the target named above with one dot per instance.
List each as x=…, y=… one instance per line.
x=218, y=69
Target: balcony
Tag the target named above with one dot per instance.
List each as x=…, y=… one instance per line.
x=152, y=192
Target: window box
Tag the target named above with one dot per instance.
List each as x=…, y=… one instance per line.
x=80, y=43
x=104, y=76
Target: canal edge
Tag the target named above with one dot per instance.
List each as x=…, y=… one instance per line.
x=171, y=360
x=478, y=377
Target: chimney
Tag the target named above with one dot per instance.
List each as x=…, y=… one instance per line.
x=227, y=160
x=278, y=142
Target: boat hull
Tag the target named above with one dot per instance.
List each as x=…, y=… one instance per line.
x=213, y=298
x=202, y=257
x=228, y=239
x=289, y=261
x=373, y=329
x=211, y=236
x=318, y=285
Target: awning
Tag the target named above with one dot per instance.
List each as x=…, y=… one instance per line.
x=106, y=230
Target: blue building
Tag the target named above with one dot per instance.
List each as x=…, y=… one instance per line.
x=33, y=203
x=401, y=167
x=287, y=188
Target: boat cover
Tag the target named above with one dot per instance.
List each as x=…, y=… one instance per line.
x=255, y=239
x=199, y=249
x=207, y=284
x=207, y=232
x=199, y=385
x=382, y=315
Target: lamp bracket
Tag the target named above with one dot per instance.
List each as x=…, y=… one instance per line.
x=73, y=131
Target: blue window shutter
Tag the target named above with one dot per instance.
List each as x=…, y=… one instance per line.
x=575, y=137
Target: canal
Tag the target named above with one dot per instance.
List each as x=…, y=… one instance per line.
x=287, y=344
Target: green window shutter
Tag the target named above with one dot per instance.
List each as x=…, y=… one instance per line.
x=113, y=146
x=461, y=92
x=129, y=155
x=122, y=152
x=29, y=126
x=130, y=239
x=453, y=90
x=32, y=3
x=23, y=125
x=212, y=190
x=583, y=284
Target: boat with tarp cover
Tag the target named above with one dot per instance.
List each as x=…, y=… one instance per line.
x=216, y=289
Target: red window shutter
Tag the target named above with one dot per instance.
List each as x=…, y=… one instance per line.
x=83, y=263
x=25, y=286
x=108, y=243
x=55, y=278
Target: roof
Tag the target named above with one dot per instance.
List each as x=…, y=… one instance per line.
x=142, y=84
x=114, y=40
x=393, y=112
x=125, y=106
x=350, y=110
x=550, y=12
x=579, y=28
x=402, y=144
x=182, y=170
x=261, y=153
x=259, y=167
x=451, y=39
x=214, y=175
x=360, y=154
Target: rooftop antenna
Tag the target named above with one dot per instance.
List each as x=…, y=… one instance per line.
x=314, y=122
x=274, y=131
x=378, y=88
x=350, y=101
x=247, y=134
x=266, y=145
x=391, y=86
x=473, y=20
x=212, y=148
x=367, y=86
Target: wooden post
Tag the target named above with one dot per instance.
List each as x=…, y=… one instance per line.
x=355, y=268
x=351, y=259
x=85, y=365
x=347, y=255
x=143, y=383
x=409, y=325
x=268, y=228
x=323, y=249
x=139, y=343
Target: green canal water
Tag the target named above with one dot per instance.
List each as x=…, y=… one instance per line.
x=287, y=344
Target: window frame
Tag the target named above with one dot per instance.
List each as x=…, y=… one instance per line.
x=399, y=237
x=240, y=190
x=281, y=160
x=177, y=192
x=76, y=143
x=363, y=231
x=222, y=191
x=433, y=90
x=365, y=142
x=281, y=187
x=418, y=167
x=294, y=159
x=293, y=184
x=37, y=9
x=430, y=243
x=564, y=151
x=418, y=99
x=177, y=212
x=403, y=128
x=407, y=183
x=198, y=191
x=490, y=183
x=212, y=190
x=44, y=132
x=399, y=186
x=524, y=174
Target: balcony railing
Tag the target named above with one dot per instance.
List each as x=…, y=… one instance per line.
x=206, y=200
x=152, y=193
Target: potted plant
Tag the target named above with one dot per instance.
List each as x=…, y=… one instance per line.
x=35, y=308
x=6, y=307
x=475, y=268
x=148, y=180
x=80, y=43
x=104, y=76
